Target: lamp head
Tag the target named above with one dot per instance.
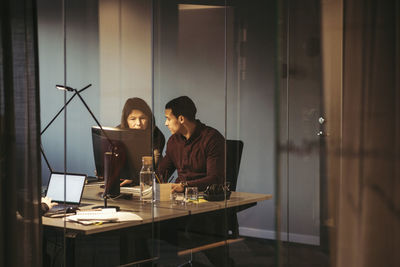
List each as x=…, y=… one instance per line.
x=64, y=88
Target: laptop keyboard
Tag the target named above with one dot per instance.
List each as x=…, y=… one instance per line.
x=61, y=207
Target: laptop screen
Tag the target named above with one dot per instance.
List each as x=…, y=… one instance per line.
x=74, y=187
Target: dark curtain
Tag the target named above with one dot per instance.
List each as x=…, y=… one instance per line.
x=20, y=232
x=369, y=204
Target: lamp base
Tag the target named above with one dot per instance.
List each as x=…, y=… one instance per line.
x=117, y=208
x=105, y=206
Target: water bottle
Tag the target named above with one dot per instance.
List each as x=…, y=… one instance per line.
x=146, y=179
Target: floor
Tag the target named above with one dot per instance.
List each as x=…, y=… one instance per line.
x=246, y=251
x=256, y=252
x=261, y=252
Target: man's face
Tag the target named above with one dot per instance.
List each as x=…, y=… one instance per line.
x=172, y=122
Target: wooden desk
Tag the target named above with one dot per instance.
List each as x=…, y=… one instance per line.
x=237, y=200
x=159, y=211
x=150, y=212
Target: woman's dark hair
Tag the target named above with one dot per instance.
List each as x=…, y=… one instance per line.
x=184, y=106
x=139, y=104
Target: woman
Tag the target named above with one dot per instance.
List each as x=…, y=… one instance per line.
x=136, y=114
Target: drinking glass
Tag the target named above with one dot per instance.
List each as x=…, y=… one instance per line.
x=178, y=198
x=191, y=194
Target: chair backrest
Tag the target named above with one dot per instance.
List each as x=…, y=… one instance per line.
x=234, y=149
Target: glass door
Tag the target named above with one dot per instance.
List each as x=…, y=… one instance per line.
x=310, y=126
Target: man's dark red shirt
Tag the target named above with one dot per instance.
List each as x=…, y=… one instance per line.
x=200, y=160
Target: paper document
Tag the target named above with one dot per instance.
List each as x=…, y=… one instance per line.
x=104, y=215
x=124, y=216
x=135, y=190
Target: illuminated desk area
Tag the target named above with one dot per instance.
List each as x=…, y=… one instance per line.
x=159, y=212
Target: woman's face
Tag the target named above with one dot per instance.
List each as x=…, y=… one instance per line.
x=137, y=120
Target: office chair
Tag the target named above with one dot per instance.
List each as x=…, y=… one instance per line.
x=234, y=149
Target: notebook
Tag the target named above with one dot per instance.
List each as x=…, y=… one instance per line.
x=74, y=185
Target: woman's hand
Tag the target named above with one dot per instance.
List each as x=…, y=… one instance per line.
x=125, y=182
x=48, y=202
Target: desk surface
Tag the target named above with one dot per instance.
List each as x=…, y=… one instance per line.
x=150, y=212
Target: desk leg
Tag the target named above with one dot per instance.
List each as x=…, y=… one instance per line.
x=69, y=252
x=134, y=245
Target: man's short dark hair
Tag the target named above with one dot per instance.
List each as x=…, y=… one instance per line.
x=184, y=106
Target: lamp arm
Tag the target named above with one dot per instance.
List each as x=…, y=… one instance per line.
x=45, y=158
x=58, y=113
x=97, y=122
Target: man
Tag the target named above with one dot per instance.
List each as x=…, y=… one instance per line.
x=195, y=150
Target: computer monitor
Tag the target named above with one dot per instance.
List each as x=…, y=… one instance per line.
x=131, y=145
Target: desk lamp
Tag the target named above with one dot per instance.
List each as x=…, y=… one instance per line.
x=52, y=120
x=109, y=157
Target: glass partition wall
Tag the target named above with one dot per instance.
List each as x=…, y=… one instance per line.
x=190, y=59
x=301, y=95
x=257, y=74
x=220, y=54
x=103, y=49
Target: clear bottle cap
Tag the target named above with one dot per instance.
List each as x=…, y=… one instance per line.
x=147, y=160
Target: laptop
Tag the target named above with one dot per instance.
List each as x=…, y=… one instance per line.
x=75, y=183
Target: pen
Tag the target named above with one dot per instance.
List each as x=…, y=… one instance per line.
x=158, y=179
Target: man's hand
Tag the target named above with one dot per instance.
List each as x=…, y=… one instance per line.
x=177, y=188
x=48, y=202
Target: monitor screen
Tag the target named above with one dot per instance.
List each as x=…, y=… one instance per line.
x=132, y=146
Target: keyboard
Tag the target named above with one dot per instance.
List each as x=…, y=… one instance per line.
x=62, y=207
